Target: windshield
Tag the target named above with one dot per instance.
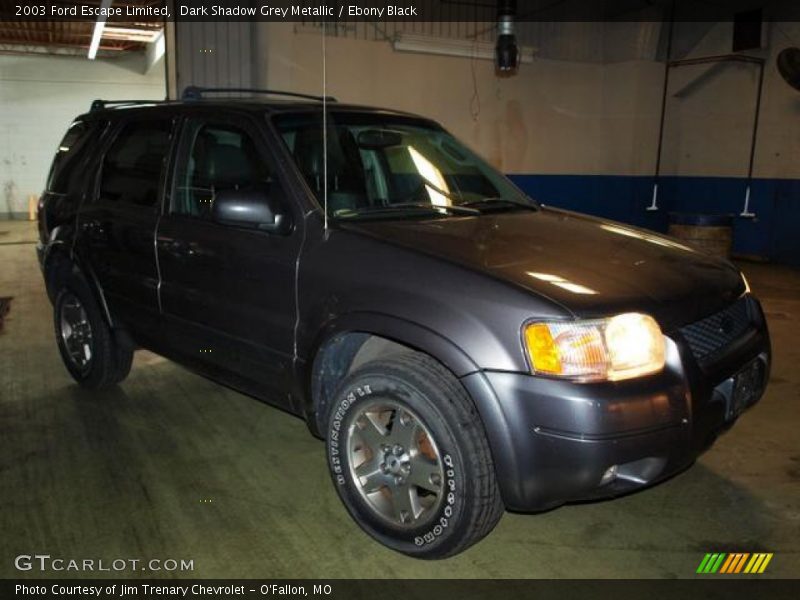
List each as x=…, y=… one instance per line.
x=382, y=166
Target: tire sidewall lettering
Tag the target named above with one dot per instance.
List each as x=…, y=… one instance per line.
x=339, y=414
x=443, y=522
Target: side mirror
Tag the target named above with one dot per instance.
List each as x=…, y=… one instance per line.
x=253, y=209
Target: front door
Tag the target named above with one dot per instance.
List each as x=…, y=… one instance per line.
x=228, y=293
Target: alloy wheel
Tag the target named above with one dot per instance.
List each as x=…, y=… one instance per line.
x=76, y=332
x=395, y=463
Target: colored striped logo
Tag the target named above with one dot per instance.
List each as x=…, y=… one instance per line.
x=734, y=562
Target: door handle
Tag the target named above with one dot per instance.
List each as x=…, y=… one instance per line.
x=183, y=249
x=93, y=229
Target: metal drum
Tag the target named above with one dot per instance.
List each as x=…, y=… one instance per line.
x=711, y=233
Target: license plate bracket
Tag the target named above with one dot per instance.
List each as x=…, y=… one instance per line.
x=746, y=385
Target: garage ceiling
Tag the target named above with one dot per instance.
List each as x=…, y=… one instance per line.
x=74, y=37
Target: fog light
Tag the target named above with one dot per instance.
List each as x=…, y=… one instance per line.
x=610, y=475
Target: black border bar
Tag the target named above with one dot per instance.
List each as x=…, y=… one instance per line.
x=711, y=587
x=411, y=10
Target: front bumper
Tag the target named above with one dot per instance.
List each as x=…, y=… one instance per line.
x=553, y=441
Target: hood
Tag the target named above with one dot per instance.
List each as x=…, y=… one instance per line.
x=591, y=267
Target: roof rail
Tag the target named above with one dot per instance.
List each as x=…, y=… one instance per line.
x=101, y=104
x=192, y=92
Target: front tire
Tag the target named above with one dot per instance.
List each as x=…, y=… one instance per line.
x=409, y=457
x=91, y=352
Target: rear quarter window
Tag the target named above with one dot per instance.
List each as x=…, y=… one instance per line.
x=65, y=172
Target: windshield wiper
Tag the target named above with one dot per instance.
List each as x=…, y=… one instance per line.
x=405, y=206
x=500, y=201
x=453, y=208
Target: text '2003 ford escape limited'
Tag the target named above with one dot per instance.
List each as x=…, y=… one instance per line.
x=461, y=348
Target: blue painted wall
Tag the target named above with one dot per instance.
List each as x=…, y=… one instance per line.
x=774, y=233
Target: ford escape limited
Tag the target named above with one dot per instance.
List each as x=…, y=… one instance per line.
x=462, y=349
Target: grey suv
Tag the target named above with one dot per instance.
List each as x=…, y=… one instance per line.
x=462, y=349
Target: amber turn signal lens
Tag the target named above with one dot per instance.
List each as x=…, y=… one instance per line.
x=542, y=349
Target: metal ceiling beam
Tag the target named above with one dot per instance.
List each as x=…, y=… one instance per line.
x=44, y=50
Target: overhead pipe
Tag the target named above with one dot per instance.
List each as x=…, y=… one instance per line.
x=654, y=202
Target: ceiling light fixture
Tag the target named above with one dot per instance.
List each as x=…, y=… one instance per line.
x=97, y=35
x=426, y=44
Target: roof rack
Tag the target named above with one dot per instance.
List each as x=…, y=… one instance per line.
x=101, y=104
x=196, y=93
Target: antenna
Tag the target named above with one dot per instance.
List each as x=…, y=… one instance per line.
x=325, y=123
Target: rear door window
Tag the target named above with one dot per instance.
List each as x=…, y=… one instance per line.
x=133, y=166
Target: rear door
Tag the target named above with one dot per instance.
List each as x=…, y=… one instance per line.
x=117, y=225
x=228, y=293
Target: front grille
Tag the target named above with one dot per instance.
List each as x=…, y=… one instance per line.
x=708, y=337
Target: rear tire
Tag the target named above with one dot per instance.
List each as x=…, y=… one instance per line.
x=92, y=353
x=409, y=457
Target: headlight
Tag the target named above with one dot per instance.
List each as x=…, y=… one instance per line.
x=621, y=347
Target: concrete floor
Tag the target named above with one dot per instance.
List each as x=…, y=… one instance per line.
x=170, y=465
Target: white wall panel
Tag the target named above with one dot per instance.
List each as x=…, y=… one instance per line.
x=40, y=96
